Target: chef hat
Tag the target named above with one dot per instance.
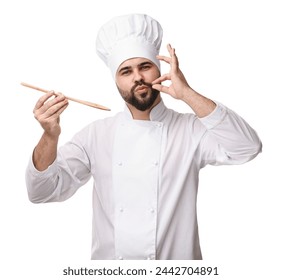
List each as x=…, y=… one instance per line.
x=129, y=36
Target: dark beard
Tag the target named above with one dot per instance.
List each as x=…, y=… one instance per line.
x=144, y=103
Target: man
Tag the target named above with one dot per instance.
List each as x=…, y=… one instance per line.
x=145, y=161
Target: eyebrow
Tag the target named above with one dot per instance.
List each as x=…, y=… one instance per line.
x=144, y=63
x=124, y=68
x=139, y=65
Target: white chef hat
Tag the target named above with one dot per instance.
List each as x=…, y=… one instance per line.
x=129, y=36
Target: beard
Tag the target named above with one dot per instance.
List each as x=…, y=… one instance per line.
x=142, y=101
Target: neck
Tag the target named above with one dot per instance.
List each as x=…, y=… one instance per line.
x=142, y=115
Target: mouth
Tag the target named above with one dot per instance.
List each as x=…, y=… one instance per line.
x=141, y=89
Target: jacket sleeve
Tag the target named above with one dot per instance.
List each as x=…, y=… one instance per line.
x=228, y=138
x=62, y=178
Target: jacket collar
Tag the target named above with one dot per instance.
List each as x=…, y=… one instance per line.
x=157, y=113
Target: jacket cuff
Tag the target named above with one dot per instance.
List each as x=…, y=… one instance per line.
x=42, y=174
x=215, y=117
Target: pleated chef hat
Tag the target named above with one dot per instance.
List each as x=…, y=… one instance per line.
x=129, y=36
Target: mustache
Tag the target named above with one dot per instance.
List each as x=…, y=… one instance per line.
x=141, y=83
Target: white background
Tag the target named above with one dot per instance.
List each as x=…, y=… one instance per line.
x=229, y=51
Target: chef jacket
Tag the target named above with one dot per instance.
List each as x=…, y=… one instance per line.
x=146, y=177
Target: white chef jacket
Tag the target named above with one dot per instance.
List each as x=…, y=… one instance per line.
x=145, y=177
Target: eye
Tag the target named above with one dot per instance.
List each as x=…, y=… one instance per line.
x=125, y=72
x=146, y=67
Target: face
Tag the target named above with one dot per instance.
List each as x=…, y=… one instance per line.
x=134, y=78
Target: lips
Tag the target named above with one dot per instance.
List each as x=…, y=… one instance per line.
x=141, y=88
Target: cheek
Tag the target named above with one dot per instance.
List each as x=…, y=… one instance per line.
x=123, y=84
x=123, y=88
x=150, y=77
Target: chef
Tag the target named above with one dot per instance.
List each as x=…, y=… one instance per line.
x=145, y=160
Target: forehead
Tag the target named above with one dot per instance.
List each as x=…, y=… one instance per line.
x=134, y=62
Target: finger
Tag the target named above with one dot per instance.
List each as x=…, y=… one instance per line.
x=46, y=123
x=161, y=88
x=171, y=50
x=45, y=102
x=52, y=110
x=165, y=77
x=164, y=58
x=43, y=99
x=174, y=59
x=57, y=114
x=47, y=111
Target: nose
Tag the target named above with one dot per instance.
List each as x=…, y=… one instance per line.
x=137, y=76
